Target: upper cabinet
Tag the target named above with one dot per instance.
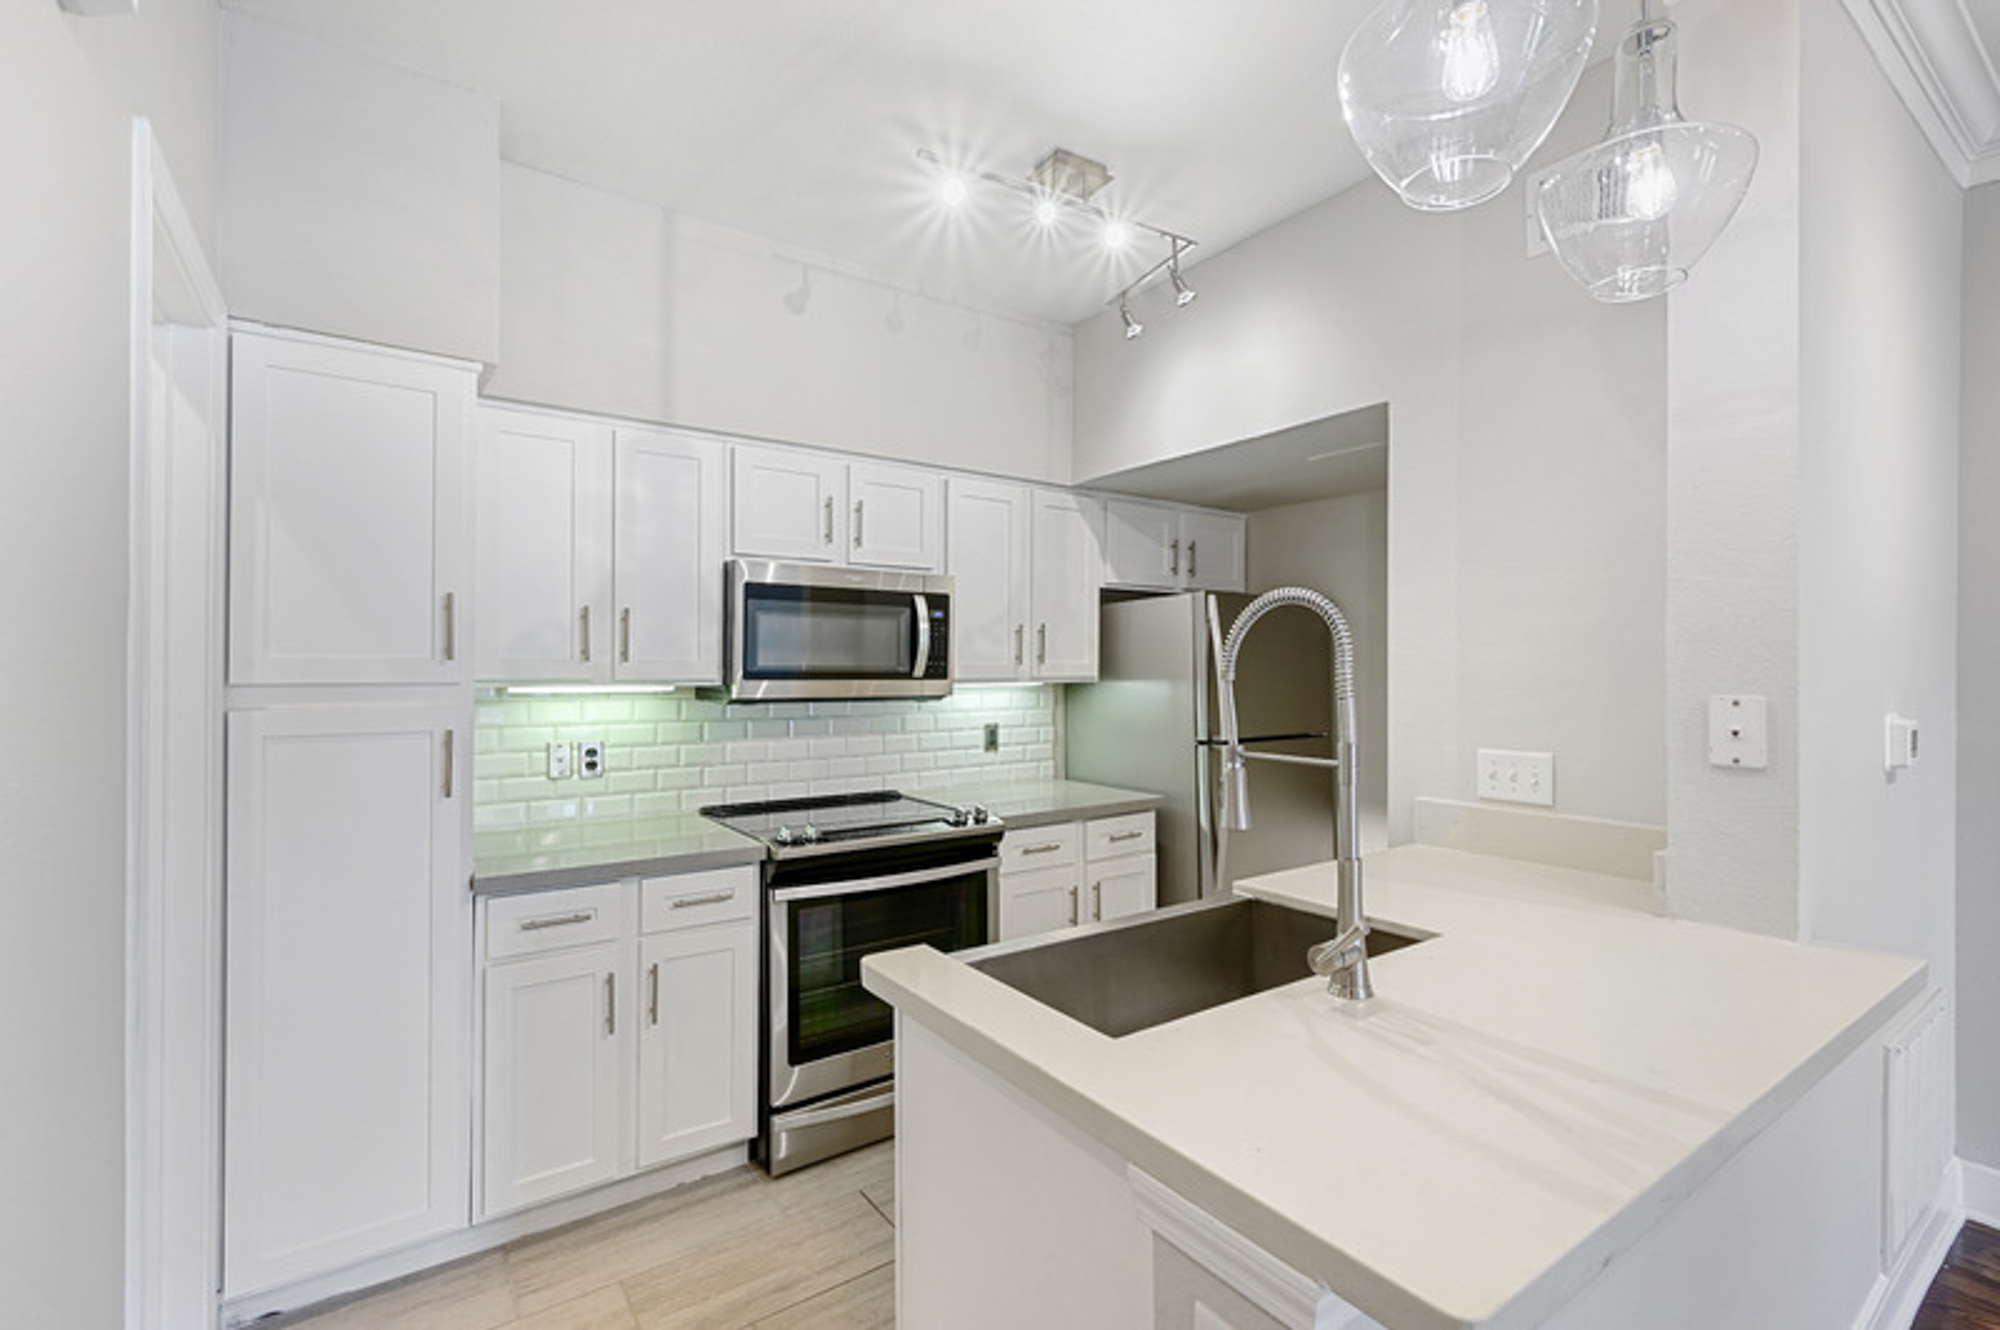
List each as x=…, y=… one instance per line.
x=1160, y=547
x=812, y=507
x=600, y=551
x=1027, y=564
x=348, y=510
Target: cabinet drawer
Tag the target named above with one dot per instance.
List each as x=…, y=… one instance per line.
x=538, y=921
x=1039, y=847
x=688, y=900
x=1110, y=837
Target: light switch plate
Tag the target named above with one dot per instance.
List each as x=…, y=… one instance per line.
x=1899, y=743
x=1738, y=732
x=559, y=767
x=1517, y=778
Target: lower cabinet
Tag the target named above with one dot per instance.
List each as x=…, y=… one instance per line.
x=619, y=1028
x=1070, y=873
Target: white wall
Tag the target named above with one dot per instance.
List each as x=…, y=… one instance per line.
x=1526, y=500
x=1878, y=512
x=1978, y=894
x=65, y=152
x=1732, y=487
x=1341, y=546
x=357, y=199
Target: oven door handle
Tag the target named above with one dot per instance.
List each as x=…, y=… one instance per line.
x=851, y=1108
x=923, y=604
x=855, y=886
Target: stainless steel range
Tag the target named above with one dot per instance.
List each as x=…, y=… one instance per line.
x=849, y=875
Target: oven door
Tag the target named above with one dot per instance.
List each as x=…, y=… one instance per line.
x=800, y=631
x=826, y=1032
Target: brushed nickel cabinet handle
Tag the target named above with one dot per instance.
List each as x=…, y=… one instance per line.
x=653, y=1000
x=1041, y=644
x=1048, y=848
x=711, y=898
x=1191, y=558
x=451, y=625
x=1020, y=631
x=585, y=618
x=1174, y=564
x=829, y=519
x=1097, y=900
x=450, y=737
x=611, y=1003
x=556, y=920
x=1072, y=906
x=625, y=636
x=857, y=524
x=1117, y=836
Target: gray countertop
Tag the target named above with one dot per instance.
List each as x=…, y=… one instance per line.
x=579, y=853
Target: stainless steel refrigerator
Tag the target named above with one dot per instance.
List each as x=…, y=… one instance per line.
x=1151, y=721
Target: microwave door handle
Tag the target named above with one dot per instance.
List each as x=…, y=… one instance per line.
x=923, y=604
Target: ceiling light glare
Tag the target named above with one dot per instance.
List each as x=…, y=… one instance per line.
x=1132, y=326
x=1116, y=236
x=1047, y=211
x=952, y=192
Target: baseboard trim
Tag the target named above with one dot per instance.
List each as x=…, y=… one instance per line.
x=1979, y=1190
x=428, y=1255
x=1893, y=1302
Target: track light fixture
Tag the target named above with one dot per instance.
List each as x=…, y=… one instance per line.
x=1063, y=183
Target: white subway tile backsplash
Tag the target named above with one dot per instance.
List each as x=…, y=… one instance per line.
x=671, y=754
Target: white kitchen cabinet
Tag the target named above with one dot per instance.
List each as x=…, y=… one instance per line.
x=349, y=937
x=697, y=1040
x=988, y=556
x=813, y=507
x=543, y=510
x=1040, y=901
x=1162, y=547
x=555, y=1047
x=1065, y=873
x=1065, y=534
x=619, y=1026
x=348, y=511
x=601, y=552
x=668, y=550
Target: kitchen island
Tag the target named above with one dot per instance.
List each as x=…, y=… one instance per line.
x=1557, y=1112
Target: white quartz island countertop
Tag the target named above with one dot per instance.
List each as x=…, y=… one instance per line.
x=1531, y=1090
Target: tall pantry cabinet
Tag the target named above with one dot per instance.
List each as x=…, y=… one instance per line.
x=346, y=1027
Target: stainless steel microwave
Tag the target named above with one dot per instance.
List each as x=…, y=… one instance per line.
x=800, y=631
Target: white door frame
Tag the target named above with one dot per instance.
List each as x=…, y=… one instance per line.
x=174, y=646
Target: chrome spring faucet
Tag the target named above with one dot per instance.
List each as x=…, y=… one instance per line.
x=1344, y=959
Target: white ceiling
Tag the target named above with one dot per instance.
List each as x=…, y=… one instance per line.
x=800, y=120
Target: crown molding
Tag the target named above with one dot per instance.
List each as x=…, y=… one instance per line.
x=1941, y=64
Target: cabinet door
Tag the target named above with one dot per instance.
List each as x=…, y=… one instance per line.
x=556, y=1045
x=1122, y=886
x=1212, y=553
x=988, y=543
x=348, y=974
x=788, y=505
x=1141, y=545
x=895, y=517
x=1066, y=572
x=668, y=552
x=543, y=514
x=697, y=1040
x=1039, y=902
x=347, y=516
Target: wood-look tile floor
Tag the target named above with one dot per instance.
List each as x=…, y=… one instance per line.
x=811, y=1251
x=1966, y=1293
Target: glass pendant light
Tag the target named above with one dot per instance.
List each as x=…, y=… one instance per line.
x=1628, y=217
x=1446, y=98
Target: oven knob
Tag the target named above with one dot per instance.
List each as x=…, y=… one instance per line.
x=980, y=815
x=783, y=835
x=809, y=833
x=960, y=817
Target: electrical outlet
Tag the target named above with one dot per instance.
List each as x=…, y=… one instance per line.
x=1517, y=778
x=559, y=768
x=992, y=741
x=589, y=758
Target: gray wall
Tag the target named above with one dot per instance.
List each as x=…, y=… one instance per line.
x=1978, y=899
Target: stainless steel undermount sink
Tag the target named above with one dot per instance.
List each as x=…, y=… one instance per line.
x=1132, y=974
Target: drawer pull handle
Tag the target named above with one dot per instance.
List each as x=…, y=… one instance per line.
x=711, y=898
x=557, y=920
x=653, y=1001
x=1117, y=836
x=1049, y=848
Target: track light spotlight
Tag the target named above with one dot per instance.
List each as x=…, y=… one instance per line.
x=1183, y=293
x=1132, y=326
